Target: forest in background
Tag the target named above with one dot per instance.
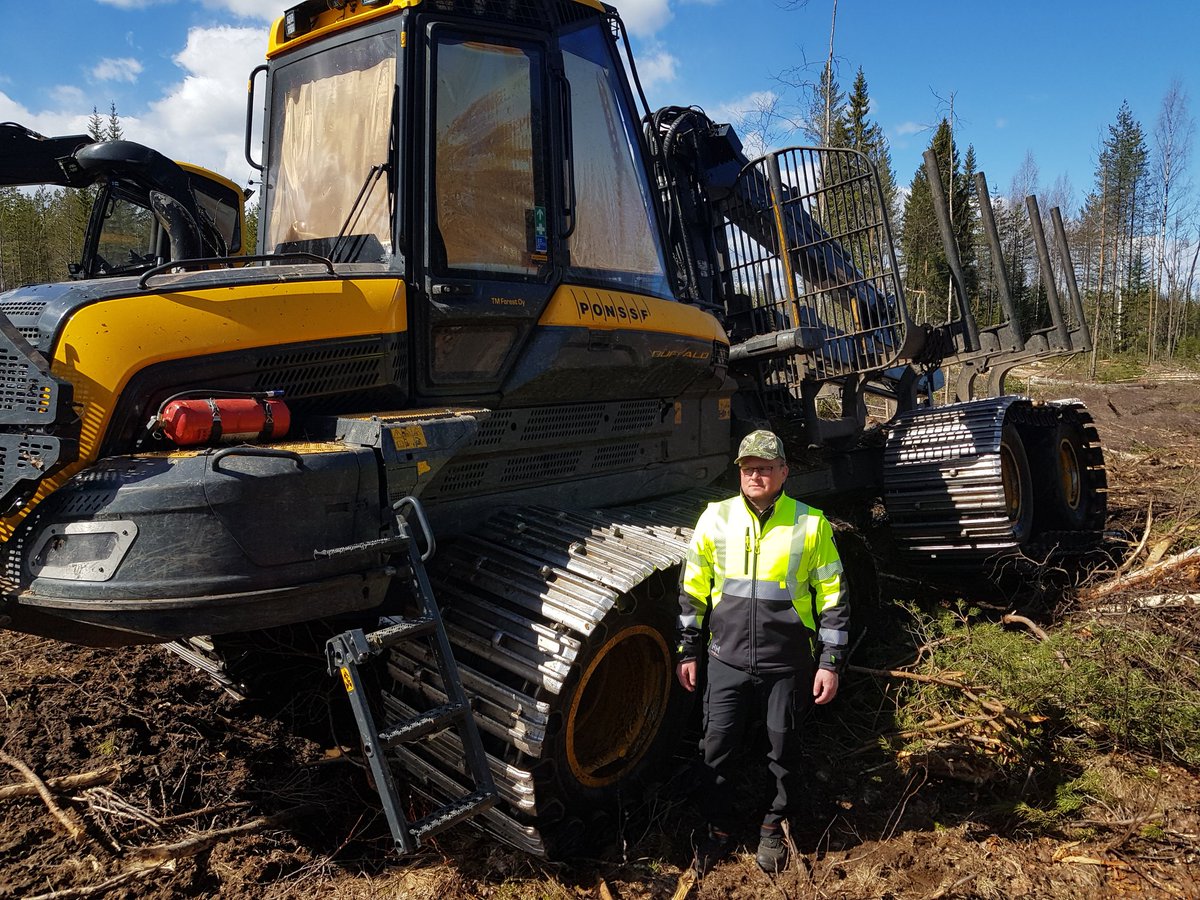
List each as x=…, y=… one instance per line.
x=1134, y=237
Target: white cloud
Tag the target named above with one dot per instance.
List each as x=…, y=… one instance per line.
x=51, y=122
x=741, y=108
x=645, y=17
x=124, y=68
x=68, y=95
x=656, y=67
x=904, y=129
x=202, y=118
x=1002, y=123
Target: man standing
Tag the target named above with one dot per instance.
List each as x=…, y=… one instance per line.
x=764, y=580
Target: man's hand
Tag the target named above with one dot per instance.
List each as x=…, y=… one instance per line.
x=686, y=673
x=825, y=686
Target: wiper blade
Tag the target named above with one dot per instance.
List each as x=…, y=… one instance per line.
x=356, y=209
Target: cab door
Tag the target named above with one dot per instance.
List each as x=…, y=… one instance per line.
x=488, y=220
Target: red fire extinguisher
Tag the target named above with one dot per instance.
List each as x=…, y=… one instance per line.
x=223, y=420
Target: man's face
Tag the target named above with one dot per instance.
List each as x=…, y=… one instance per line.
x=762, y=478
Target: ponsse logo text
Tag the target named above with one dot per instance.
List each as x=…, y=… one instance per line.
x=627, y=309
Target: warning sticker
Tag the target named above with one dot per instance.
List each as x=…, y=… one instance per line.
x=408, y=437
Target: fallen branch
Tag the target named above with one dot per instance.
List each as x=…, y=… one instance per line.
x=69, y=822
x=93, y=890
x=909, y=676
x=1141, y=576
x=1156, y=601
x=62, y=785
x=1014, y=619
x=1137, y=551
x=158, y=854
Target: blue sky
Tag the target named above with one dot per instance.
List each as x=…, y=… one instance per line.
x=1042, y=77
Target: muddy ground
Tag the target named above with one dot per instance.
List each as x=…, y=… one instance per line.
x=196, y=794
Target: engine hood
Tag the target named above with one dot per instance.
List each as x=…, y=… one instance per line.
x=37, y=310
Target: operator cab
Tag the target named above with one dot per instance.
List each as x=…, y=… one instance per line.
x=485, y=153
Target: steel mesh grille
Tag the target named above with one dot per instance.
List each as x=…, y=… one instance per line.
x=615, y=456
x=463, y=477
x=22, y=389
x=563, y=421
x=637, y=415
x=22, y=307
x=493, y=430
x=812, y=250
x=308, y=373
x=542, y=466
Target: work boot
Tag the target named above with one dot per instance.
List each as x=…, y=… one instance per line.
x=772, y=851
x=712, y=849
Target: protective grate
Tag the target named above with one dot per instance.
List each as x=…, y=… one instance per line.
x=22, y=307
x=637, y=415
x=494, y=428
x=810, y=248
x=22, y=387
x=463, y=477
x=553, y=422
x=12, y=554
x=616, y=456
x=308, y=373
x=541, y=467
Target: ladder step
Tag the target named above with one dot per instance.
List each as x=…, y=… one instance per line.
x=401, y=630
x=445, y=816
x=426, y=723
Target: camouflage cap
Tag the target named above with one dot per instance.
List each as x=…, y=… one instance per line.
x=761, y=443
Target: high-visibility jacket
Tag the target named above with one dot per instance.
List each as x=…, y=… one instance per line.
x=770, y=593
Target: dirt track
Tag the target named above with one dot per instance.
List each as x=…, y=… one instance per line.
x=178, y=758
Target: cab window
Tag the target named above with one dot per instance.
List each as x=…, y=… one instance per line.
x=489, y=204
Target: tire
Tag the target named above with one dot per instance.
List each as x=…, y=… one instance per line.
x=1073, y=499
x=617, y=719
x=1017, y=482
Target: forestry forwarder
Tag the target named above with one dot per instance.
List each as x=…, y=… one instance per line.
x=498, y=311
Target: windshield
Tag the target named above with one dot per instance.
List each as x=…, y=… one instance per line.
x=615, y=238
x=331, y=119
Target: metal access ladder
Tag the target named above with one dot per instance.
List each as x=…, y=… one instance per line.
x=352, y=649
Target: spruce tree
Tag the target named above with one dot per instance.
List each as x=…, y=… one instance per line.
x=926, y=271
x=856, y=130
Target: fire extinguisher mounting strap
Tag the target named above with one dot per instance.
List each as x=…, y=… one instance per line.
x=217, y=431
x=268, y=428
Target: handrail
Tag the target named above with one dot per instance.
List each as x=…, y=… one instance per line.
x=227, y=261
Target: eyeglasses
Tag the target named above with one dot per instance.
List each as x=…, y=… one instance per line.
x=758, y=470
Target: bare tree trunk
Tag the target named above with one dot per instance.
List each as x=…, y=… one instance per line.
x=1100, y=287
x=829, y=78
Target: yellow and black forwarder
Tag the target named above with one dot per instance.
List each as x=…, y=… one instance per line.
x=505, y=310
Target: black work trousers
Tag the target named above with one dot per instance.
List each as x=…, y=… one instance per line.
x=733, y=699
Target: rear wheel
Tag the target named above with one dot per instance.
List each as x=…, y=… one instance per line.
x=1017, y=481
x=1073, y=499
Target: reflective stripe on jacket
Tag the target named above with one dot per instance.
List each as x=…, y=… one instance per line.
x=769, y=593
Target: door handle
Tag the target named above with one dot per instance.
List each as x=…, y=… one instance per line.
x=453, y=289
